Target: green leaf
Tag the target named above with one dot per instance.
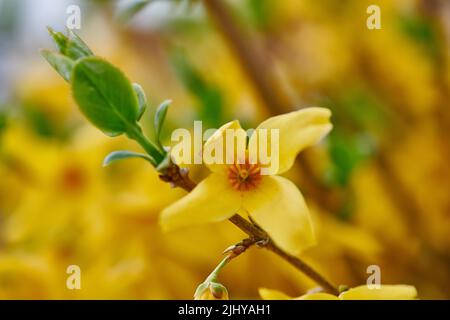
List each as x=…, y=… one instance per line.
x=60, y=63
x=105, y=96
x=70, y=46
x=119, y=155
x=60, y=40
x=142, y=99
x=160, y=116
x=77, y=48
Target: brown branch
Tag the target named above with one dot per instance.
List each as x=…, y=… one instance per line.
x=240, y=247
x=305, y=268
x=180, y=178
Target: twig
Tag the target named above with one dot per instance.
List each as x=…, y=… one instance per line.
x=239, y=248
x=180, y=178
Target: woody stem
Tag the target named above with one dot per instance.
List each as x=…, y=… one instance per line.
x=256, y=233
x=260, y=235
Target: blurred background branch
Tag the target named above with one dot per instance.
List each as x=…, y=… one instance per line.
x=378, y=186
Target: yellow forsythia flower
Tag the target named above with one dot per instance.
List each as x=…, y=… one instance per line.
x=385, y=292
x=272, y=201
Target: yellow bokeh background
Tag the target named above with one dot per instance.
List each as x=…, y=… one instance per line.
x=378, y=187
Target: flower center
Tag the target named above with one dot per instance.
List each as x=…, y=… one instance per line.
x=245, y=176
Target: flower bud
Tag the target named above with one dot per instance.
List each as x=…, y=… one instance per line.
x=211, y=291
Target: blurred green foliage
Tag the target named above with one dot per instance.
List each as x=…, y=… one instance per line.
x=3, y=121
x=43, y=125
x=210, y=107
x=129, y=8
x=423, y=32
x=357, y=117
x=259, y=12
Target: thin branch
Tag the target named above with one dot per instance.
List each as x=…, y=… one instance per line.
x=180, y=178
x=305, y=268
x=239, y=248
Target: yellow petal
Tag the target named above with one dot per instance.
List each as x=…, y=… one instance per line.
x=212, y=200
x=317, y=296
x=269, y=294
x=279, y=208
x=220, y=149
x=386, y=292
x=297, y=131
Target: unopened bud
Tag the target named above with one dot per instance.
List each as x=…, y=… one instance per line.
x=211, y=291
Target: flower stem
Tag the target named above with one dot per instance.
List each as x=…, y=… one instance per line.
x=213, y=275
x=136, y=134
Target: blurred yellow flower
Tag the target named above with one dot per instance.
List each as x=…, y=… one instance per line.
x=273, y=202
x=385, y=292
